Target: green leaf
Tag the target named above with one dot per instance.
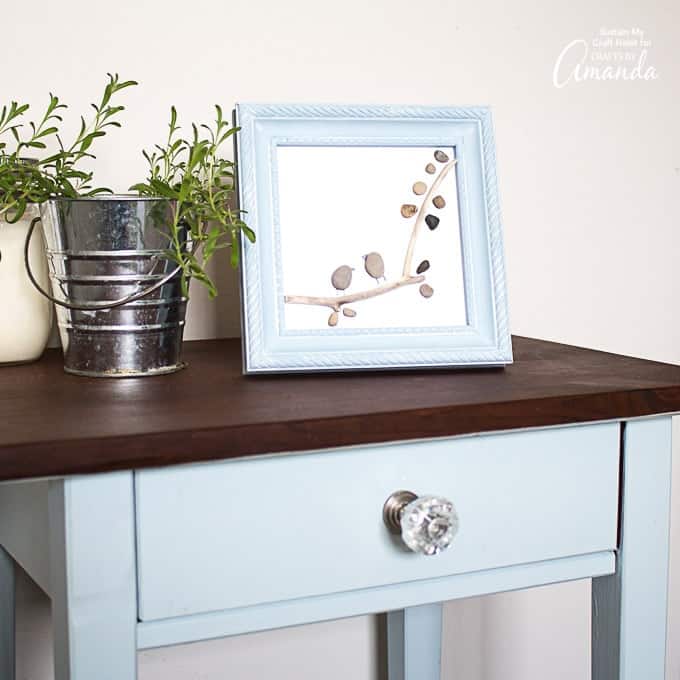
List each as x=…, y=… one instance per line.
x=235, y=253
x=163, y=189
x=17, y=211
x=17, y=110
x=98, y=191
x=227, y=134
x=48, y=131
x=250, y=234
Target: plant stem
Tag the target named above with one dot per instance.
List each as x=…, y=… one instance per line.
x=408, y=260
x=336, y=303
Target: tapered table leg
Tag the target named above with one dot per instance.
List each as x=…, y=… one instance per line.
x=629, y=607
x=414, y=638
x=92, y=574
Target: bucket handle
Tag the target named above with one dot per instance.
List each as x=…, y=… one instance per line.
x=95, y=307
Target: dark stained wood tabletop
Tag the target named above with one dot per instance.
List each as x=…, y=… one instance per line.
x=56, y=424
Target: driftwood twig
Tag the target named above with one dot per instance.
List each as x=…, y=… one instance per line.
x=337, y=302
x=408, y=260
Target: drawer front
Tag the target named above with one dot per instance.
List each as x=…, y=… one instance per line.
x=218, y=536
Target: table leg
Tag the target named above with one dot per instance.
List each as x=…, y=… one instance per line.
x=7, y=605
x=92, y=574
x=629, y=607
x=414, y=637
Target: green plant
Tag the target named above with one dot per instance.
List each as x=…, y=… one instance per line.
x=23, y=180
x=199, y=181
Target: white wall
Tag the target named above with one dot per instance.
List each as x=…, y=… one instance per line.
x=590, y=185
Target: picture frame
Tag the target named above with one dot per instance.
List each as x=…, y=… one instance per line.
x=379, y=241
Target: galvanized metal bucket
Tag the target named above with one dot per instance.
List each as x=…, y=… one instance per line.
x=119, y=301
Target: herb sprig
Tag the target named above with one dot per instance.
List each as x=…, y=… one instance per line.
x=24, y=181
x=195, y=176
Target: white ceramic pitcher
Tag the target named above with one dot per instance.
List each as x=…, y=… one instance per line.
x=25, y=315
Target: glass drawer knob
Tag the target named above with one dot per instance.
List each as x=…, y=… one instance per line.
x=427, y=524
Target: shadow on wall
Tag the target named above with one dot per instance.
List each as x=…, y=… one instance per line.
x=221, y=317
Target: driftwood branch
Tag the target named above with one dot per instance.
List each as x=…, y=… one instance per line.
x=408, y=260
x=336, y=303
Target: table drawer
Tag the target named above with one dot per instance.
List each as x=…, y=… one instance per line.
x=218, y=536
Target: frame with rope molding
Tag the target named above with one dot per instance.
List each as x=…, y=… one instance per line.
x=379, y=238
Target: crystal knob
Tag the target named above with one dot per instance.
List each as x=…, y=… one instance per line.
x=427, y=524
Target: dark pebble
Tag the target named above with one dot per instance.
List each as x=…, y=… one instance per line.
x=423, y=267
x=432, y=221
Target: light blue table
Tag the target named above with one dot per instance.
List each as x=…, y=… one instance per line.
x=135, y=559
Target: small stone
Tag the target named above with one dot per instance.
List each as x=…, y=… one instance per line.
x=430, y=169
x=432, y=222
x=426, y=291
x=342, y=277
x=441, y=156
x=374, y=265
x=419, y=188
x=439, y=202
x=349, y=312
x=333, y=319
x=408, y=210
x=423, y=267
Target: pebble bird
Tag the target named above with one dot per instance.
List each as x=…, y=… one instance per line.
x=374, y=266
x=342, y=277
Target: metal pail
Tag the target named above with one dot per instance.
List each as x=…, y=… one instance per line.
x=119, y=301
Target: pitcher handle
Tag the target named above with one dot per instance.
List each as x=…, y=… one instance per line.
x=93, y=307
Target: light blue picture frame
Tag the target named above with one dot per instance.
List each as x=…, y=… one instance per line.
x=268, y=347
